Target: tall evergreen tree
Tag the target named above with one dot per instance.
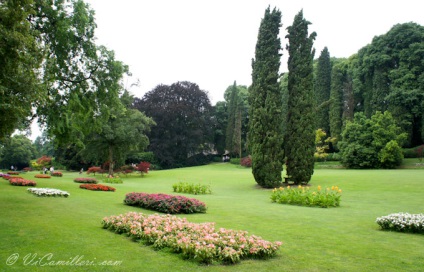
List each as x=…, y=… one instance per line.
x=265, y=118
x=322, y=90
x=230, y=132
x=300, y=136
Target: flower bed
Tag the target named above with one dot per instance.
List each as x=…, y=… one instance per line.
x=57, y=174
x=191, y=188
x=13, y=173
x=165, y=203
x=42, y=176
x=402, y=222
x=198, y=241
x=48, y=192
x=97, y=187
x=113, y=180
x=22, y=182
x=86, y=180
x=303, y=196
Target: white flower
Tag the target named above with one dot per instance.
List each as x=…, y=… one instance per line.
x=48, y=192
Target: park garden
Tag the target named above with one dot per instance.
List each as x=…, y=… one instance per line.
x=68, y=233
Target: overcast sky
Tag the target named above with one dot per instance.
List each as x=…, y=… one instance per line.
x=212, y=43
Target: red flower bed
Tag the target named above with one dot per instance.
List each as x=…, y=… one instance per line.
x=42, y=176
x=13, y=173
x=86, y=180
x=165, y=203
x=97, y=187
x=22, y=182
x=57, y=174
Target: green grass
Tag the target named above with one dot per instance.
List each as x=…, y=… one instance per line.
x=314, y=239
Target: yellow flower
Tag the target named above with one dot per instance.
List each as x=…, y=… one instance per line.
x=332, y=188
x=281, y=189
x=300, y=186
x=340, y=190
x=319, y=187
x=288, y=187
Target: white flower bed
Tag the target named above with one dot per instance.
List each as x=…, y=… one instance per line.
x=403, y=222
x=48, y=192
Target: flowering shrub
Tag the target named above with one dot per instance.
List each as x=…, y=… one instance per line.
x=57, y=174
x=97, y=187
x=403, y=222
x=42, y=176
x=143, y=167
x=303, y=196
x=165, y=203
x=198, y=241
x=94, y=170
x=22, y=182
x=246, y=161
x=44, y=161
x=191, y=188
x=113, y=180
x=27, y=169
x=48, y=192
x=86, y=180
x=13, y=173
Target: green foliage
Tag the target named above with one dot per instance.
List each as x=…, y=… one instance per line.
x=191, y=188
x=304, y=196
x=265, y=99
x=20, y=58
x=322, y=89
x=17, y=151
x=402, y=222
x=184, y=124
x=372, y=143
x=113, y=180
x=321, y=144
x=299, y=144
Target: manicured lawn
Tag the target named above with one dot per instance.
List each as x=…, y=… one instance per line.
x=49, y=230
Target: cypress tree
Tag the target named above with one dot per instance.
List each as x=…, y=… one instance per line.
x=336, y=107
x=322, y=90
x=231, y=134
x=300, y=137
x=265, y=118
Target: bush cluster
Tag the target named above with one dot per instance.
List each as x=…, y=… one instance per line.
x=196, y=241
x=22, y=182
x=303, y=196
x=246, y=161
x=402, y=222
x=165, y=203
x=191, y=188
x=113, y=180
x=97, y=187
x=86, y=180
x=57, y=174
x=42, y=176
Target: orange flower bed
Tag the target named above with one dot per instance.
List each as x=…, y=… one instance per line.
x=42, y=176
x=97, y=187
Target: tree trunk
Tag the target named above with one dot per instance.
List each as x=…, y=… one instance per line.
x=111, y=163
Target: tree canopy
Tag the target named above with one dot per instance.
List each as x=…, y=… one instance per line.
x=182, y=113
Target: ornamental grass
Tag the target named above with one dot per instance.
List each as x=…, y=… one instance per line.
x=97, y=187
x=165, y=203
x=191, y=188
x=197, y=241
x=86, y=180
x=304, y=196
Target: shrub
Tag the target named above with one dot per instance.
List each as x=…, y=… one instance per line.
x=246, y=161
x=48, y=192
x=165, y=203
x=97, y=187
x=303, y=196
x=191, y=188
x=143, y=167
x=402, y=222
x=42, y=176
x=86, y=180
x=22, y=182
x=113, y=180
x=27, y=169
x=199, y=241
x=94, y=170
x=57, y=174
x=391, y=155
x=235, y=161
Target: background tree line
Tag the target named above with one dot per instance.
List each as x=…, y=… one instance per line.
x=51, y=68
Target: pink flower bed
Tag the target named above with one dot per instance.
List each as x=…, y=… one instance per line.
x=165, y=203
x=198, y=241
x=86, y=180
